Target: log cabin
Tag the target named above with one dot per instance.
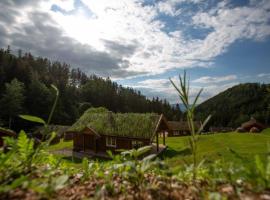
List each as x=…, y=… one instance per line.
x=5, y=133
x=220, y=129
x=99, y=130
x=180, y=128
x=251, y=124
x=60, y=131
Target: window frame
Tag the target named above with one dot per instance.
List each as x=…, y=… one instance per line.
x=137, y=144
x=110, y=141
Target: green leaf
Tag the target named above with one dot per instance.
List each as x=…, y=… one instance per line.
x=85, y=164
x=150, y=157
x=259, y=165
x=25, y=146
x=56, y=89
x=60, y=181
x=203, y=124
x=32, y=119
x=18, y=182
x=143, y=150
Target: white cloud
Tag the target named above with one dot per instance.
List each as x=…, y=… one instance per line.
x=164, y=89
x=113, y=26
x=229, y=25
x=263, y=75
x=209, y=79
x=168, y=8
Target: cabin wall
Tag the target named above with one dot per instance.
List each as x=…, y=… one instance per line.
x=78, y=141
x=121, y=143
x=89, y=142
x=68, y=136
x=174, y=133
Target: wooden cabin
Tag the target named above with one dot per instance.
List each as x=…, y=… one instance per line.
x=99, y=130
x=180, y=128
x=219, y=129
x=252, y=125
x=60, y=131
x=5, y=133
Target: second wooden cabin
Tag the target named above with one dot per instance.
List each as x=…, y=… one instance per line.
x=180, y=128
x=5, y=133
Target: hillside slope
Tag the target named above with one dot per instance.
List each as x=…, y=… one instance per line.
x=236, y=105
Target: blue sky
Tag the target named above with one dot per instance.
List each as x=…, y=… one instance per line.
x=141, y=43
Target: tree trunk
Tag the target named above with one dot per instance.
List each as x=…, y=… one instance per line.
x=9, y=122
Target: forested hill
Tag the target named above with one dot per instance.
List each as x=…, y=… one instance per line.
x=25, y=88
x=237, y=105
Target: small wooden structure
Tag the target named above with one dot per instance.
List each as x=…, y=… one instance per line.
x=180, y=128
x=214, y=129
x=250, y=126
x=99, y=130
x=5, y=133
x=60, y=131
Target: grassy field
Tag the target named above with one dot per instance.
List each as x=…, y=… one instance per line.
x=210, y=147
x=61, y=145
x=217, y=146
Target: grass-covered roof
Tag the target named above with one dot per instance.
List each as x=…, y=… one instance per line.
x=104, y=122
x=58, y=129
x=7, y=131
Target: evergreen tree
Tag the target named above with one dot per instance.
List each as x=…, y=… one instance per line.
x=12, y=100
x=75, y=88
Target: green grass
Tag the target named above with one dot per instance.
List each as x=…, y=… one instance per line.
x=210, y=147
x=61, y=145
x=217, y=146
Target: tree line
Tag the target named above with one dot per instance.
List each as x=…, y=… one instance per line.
x=25, y=88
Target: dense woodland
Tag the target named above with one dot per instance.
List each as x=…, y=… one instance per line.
x=237, y=105
x=25, y=88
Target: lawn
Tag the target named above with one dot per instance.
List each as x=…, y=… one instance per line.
x=61, y=145
x=217, y=146
x=210, y=147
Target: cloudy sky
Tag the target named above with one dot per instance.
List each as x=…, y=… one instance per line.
x=141, y=43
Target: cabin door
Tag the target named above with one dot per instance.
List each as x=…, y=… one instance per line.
x=89, y=142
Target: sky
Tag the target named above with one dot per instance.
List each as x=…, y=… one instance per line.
x=143, y=43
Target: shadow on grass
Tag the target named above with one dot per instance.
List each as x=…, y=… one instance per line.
x=169, y=153
x=72, y=159
x=79, y=160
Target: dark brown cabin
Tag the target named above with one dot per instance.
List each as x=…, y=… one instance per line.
x=58, y=129
x=214, y=129
x=97, y=132
x=252, y=123
x=5, y=133
x=180, y=128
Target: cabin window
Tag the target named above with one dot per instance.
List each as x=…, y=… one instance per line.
x=110, y=142
x=136, y=144
x=176, y=133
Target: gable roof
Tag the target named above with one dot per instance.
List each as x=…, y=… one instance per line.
x=252, y=122
x=104, y=122
x=7, y=132
x=182, y=125
x=58, y=129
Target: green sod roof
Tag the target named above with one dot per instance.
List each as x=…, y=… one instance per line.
x=7, y=131
x=117, y=124
x=58, y=129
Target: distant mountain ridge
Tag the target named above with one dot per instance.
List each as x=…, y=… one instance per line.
x=236, y=105
x=181, y=106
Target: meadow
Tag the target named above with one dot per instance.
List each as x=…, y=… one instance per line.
x=217, y=146
x=226, y=146
x=230, y=166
